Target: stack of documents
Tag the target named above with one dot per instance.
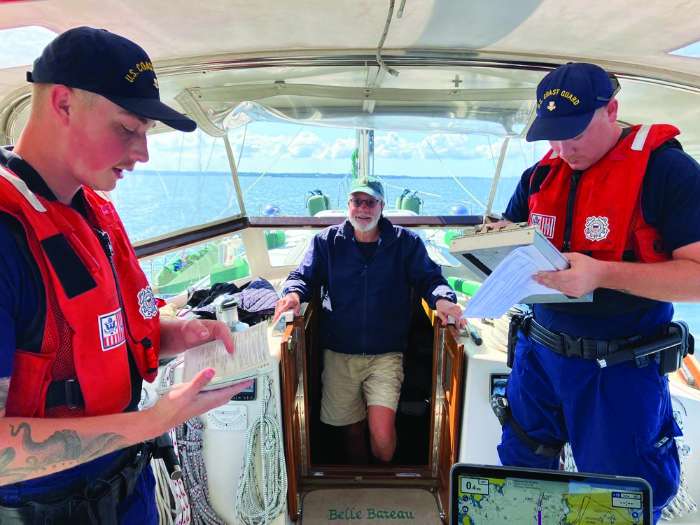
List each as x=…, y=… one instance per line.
x=251, y=358
x=506, y=260
x=510, y=283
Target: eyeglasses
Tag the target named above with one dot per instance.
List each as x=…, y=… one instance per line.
x=357, y=203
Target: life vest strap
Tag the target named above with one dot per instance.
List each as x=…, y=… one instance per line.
x=65, y=394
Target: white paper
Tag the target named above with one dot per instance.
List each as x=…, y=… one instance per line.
x=509, y=283
x=250, y=358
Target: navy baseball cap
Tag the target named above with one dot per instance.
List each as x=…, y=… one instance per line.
x=567, y=98
x=109, y=65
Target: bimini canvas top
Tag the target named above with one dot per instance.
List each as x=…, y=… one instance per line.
x=467, y=59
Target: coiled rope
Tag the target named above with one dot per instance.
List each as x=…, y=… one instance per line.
x=171, y=498
x=262, y=487
x=190, y=437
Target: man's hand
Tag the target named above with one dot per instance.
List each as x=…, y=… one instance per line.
x=291, y=301
x=199, y=331
x=177, y=335
x=584, y=275
x=443, y=308
x=186, y=400
x=495, y=225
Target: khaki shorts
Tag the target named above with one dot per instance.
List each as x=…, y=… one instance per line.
x=351, y=382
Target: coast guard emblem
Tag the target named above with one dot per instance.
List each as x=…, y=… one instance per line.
x=147, y=303
x=596, y=228
x=112, y=332
x=551, y=106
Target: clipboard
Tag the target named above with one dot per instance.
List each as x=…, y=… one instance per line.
x=481, y=252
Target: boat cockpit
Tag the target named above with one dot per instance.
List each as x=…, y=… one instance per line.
x=292, y=105
x=448, y=157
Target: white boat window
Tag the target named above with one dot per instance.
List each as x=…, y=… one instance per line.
x=449, y=173
x=187, y=182
x=281, y=165
x=287, y=247
x=292, y=169
x=197, y=266
x=519, y=156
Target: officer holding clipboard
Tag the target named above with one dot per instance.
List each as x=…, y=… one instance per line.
x=620, y=203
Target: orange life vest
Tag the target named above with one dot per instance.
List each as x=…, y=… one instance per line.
x=97, y=310
x=606, y=220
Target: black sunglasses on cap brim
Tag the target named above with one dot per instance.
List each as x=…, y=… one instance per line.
x=616, y=88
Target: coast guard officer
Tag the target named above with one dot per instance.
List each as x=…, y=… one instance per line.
x=621, y=202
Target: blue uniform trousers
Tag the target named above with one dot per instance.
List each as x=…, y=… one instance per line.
x=618, y=420
x=140, y=507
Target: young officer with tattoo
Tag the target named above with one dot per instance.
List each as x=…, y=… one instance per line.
x=79, y=328
x=621, y=202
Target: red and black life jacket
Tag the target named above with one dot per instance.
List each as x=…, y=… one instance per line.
x=598, y=212
x=98, y=308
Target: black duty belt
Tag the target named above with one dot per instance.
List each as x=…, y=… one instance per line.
x=569, y=346
x=95, y=502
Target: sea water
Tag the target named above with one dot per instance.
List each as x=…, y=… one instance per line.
x=156, y=203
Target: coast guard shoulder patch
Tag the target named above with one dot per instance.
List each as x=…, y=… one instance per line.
x=147, y=303
x=112, y=332
x=596, y=228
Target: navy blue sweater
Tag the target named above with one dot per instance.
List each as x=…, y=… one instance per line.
x=366, y=303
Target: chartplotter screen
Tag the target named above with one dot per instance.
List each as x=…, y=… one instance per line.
x=483, y=495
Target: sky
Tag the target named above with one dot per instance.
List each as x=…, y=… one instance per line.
x=291, y=148
x=26, y=44
x=691, y=50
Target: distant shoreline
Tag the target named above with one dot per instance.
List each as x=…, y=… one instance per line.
x=297, y=175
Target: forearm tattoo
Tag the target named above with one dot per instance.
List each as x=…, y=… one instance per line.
x=63, y=449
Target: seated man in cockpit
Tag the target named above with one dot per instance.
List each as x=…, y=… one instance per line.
x=366, y=268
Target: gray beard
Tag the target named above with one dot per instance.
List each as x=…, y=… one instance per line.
x=360, y=227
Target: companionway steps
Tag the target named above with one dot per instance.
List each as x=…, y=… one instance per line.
x=370, y=506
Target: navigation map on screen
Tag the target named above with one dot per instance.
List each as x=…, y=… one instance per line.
x=490, y=501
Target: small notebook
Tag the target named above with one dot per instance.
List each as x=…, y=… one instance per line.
x=250, y=359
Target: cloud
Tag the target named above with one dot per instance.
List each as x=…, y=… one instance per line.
x=341, y=148
x=263, y=145
x=304, y=145
x=388, y=145
x=452, y=146
x=391, y=145
x=198, y=151
x=518, y=148
x=187, y=152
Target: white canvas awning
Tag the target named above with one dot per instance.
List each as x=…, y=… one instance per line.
x=208, y=51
